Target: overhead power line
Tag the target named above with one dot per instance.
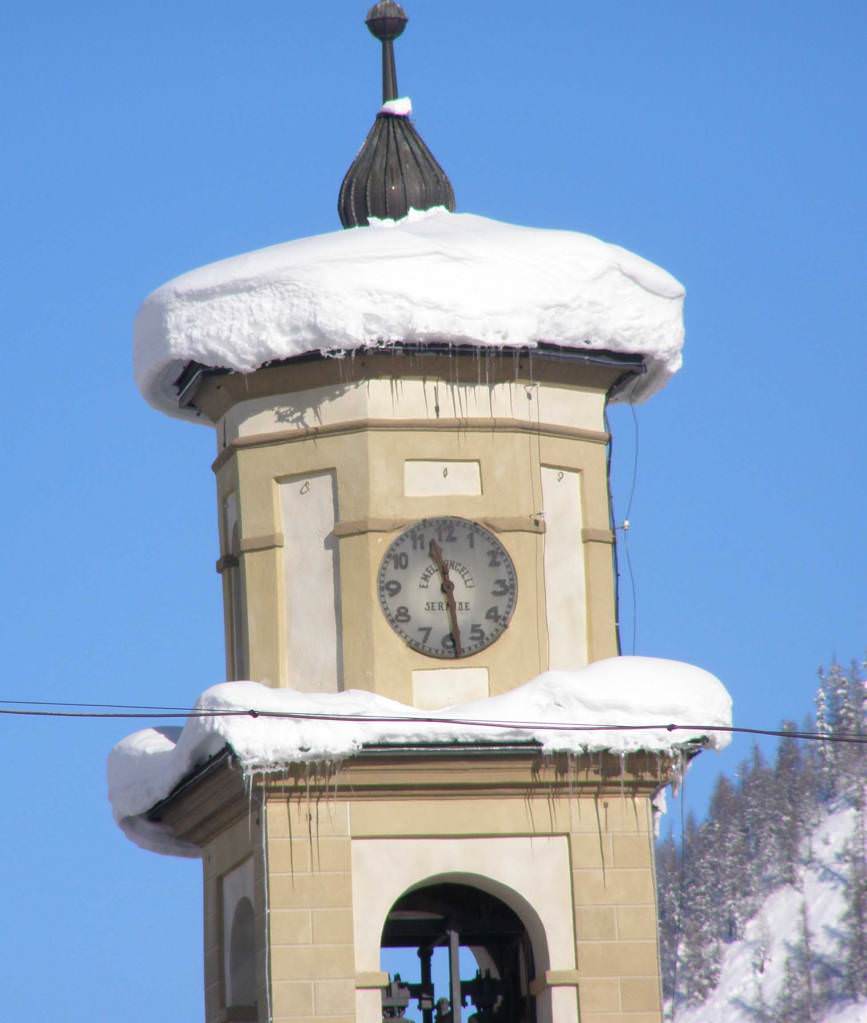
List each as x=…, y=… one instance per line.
x=25, y=708
x=101, y=706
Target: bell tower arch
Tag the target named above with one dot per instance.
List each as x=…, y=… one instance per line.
x=451, y=917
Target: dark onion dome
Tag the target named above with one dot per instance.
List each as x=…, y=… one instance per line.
x=394, y=170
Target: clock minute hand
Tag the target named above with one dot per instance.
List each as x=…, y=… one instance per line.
x=448, y=588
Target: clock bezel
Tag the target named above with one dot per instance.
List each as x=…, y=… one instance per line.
x=509, y=569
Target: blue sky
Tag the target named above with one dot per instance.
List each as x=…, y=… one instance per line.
x=724, y=142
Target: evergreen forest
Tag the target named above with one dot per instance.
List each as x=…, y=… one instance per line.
x=760, y=836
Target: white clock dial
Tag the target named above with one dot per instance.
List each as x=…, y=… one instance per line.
x=447, y=586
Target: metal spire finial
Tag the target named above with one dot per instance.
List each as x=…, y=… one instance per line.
x=386, y=20
x=394, y=170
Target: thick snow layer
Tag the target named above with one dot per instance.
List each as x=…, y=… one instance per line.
x=432, y=276
x=756, y=964
x=570, y=711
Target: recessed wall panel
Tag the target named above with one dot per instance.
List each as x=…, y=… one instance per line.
x=311, y=583
x=444, y=687
x=565, y=583
x=237, y=653
x=239, y=946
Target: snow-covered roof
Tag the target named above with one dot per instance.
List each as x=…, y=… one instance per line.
x=622, y=704
x=430, y=277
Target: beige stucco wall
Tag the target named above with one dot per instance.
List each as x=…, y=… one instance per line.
x=311, y=926
x=408, y=398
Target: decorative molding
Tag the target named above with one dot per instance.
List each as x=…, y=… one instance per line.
x=505, y=524
x=554, y=978
x=266, y=542
x=481, y=425
x=589, y=535
x=516, y=524
x=373, y=979
x=215, y=795
x=355, y=527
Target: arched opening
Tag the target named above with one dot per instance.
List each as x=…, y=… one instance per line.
x=472, y=962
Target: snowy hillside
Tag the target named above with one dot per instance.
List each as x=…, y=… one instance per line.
x=763, y=906
x=799, y=921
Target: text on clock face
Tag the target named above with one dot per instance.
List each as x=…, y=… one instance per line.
x=432, y=573
x=439, y=605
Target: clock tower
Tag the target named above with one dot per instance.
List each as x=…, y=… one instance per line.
x=414, y=527
x=445, y=537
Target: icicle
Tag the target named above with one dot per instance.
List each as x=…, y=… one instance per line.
x=308, y=806
x=678, y=771
x=659, y=806
x=247, y=778
x=249, y=793
x=552, y=762
x=600, y=830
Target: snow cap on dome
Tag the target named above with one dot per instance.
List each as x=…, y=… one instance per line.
x=433, y=276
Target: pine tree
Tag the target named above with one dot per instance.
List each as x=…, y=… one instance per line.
x=667, y=895
x=760, y=1011
x=761, y=869
x=845, y=725
x=796, y=1001
x=806, y=960
x=724, y=838
x=853, y=937
x=825, y=748
x=700, y=952
x=852, y=723
x=810, y=767
x=840, y=706
x=791, y=800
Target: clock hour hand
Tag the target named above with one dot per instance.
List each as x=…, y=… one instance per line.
x=448, y=588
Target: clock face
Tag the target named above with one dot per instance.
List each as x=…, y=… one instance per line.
x=447, y=586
